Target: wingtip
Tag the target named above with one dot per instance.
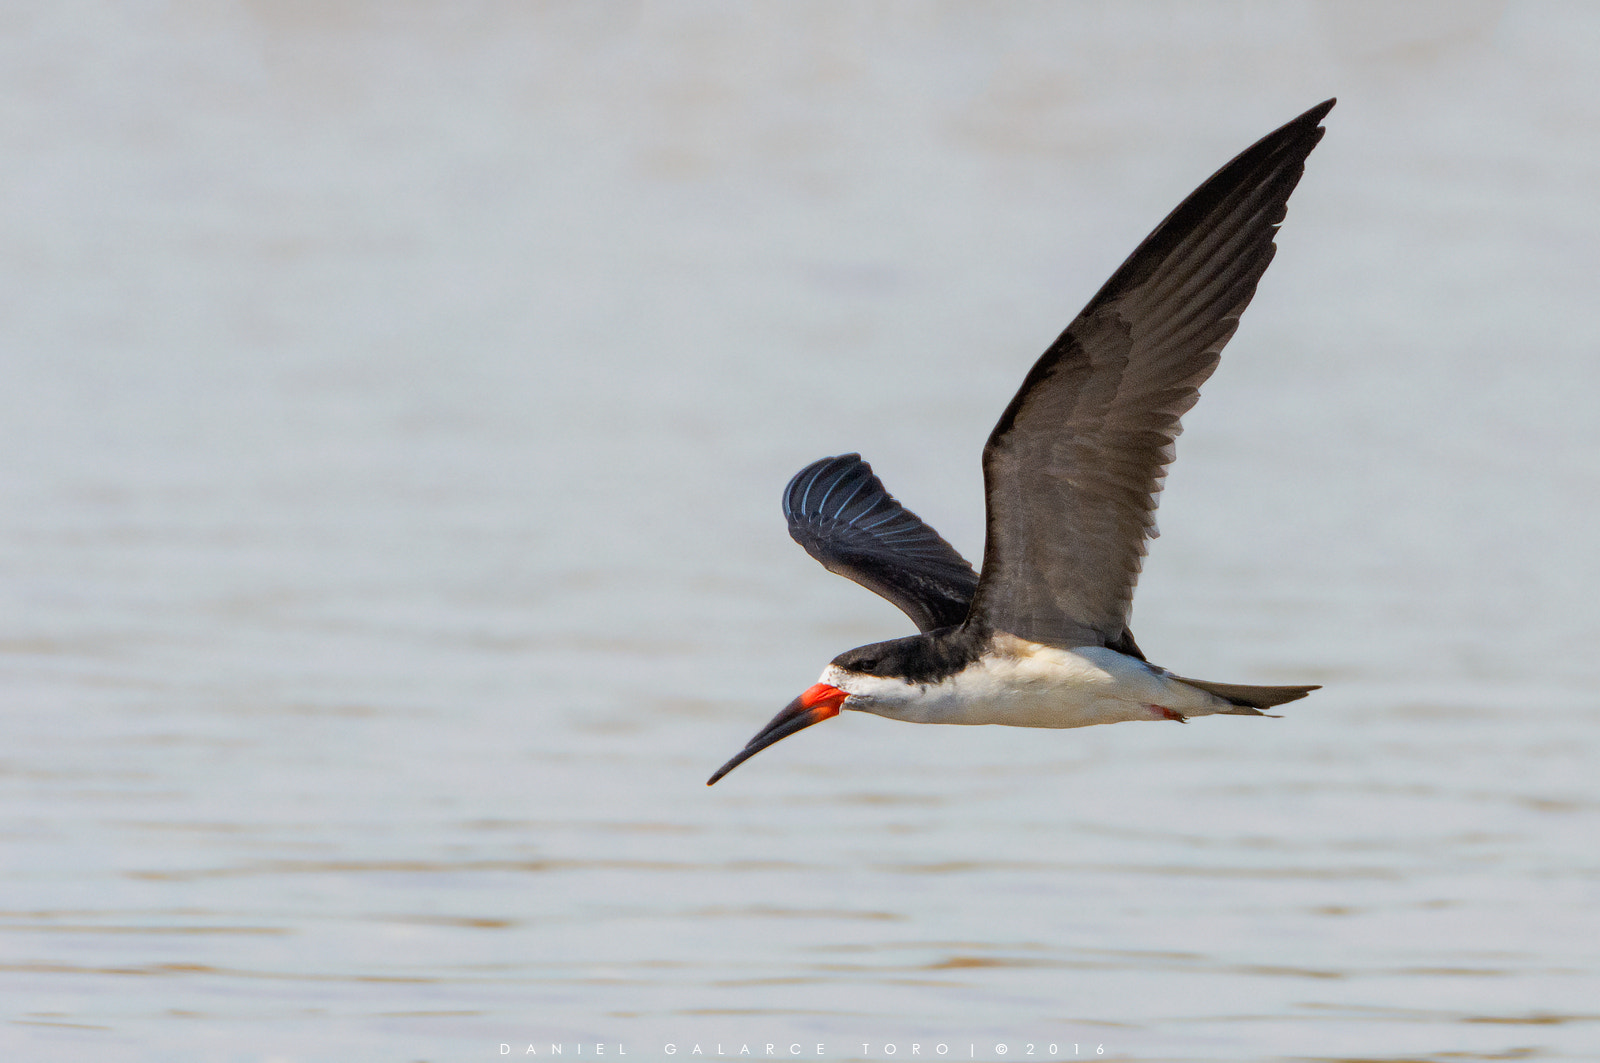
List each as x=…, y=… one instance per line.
x=1313, y=118
x=1308, y=123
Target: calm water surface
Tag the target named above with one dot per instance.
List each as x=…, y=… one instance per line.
x=396, y=402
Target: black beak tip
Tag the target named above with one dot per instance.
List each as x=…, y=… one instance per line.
x=744, y=755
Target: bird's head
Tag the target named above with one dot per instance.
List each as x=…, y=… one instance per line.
x=864, y=678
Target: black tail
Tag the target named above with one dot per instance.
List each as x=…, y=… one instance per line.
x=1249, y=698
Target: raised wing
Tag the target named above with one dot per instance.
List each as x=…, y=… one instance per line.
x=839, y=511
x=1073, y=467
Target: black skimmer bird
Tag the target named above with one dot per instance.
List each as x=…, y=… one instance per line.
x=1071, y=475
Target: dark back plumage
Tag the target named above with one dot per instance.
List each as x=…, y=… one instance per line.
x=842, y=515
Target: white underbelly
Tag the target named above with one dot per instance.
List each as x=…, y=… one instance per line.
x=1043, y=686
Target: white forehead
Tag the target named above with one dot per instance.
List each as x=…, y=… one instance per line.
x=862, y=685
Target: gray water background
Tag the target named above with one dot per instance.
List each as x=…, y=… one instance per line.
x=394, y=403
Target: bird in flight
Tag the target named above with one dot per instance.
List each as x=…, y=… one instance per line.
x=1071, y=476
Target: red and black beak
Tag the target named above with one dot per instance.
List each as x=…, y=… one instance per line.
x=819, y=703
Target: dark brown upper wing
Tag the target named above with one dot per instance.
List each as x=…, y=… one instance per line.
x=839, y=511
x=1073, y=468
